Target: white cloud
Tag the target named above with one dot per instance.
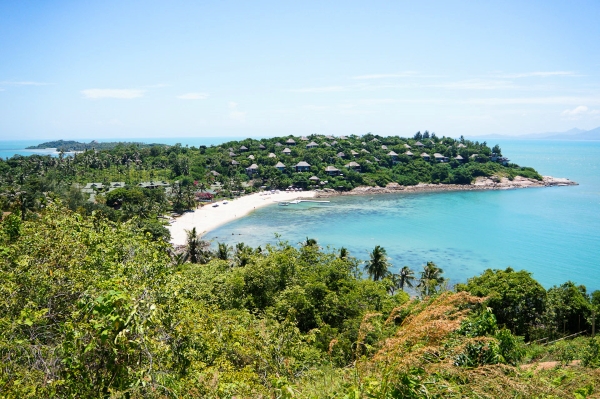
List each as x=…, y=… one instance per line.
x=112, y=93
x=25, y=83
x=193, y=96
x=578, y=112
x=477, y=84
x=404, y=74
x=540, y=74
x=234, y=113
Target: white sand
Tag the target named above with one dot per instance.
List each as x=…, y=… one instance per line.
x=208, y=218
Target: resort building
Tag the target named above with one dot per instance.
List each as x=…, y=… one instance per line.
x=419, y=144
x=354, y=153
x=286, y=151
x=232, y=154
x=304, y=138
x=440, y=158
x=252, y=169
x=408, y=154
x=314, y=179
x=278, y=144
x=384, y=147
x=261, y=147
x=250, y=156
x=243, y=148
x=116, y=184
x=214, y=173
x=290, y=142
x=425, y=156
x=459, y=158
x=271, y=155
x=341, y=155
x=353, y=165
x=280, y=166
x=393, y=155
x=154, y=184
x=312, y=144
x=332, y=171
x=407, y=146
x=302, y=166
x=234, y=162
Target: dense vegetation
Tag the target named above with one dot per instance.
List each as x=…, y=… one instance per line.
x=26, y=183
x=99, y=308
x=72, y=145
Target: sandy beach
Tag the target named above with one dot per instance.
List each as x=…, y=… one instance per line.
x=208, y=217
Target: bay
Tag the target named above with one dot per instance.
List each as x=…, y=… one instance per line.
x=552, y=232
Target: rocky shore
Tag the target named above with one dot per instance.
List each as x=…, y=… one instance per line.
x=481, y=183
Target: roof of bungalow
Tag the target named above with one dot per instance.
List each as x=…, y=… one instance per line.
x=353, y=152
x=117, y=184
x=392, y=154
x=230, y=149
x=365, y=151
x=419, y=144
x=302, y=163
x=461, y=145
x=232, y=154
x=376, y=159
x=154, y=183
x=474, y=155
x=458, y=157
x=364, y=143
x=261, y=147
x=278, y=144
x=407, y=146
x=425, y=155
x=271, y=155
x=94, y=185
x=280, y=165
x=375, y=140
x=250, y=156
x=312, y=144
x=341, y=155
x=314, y=178
x=334, y=142
x=384, y=147
x=290, y=141
x=234, y=162
x=286, y=150
x=326, y=144
x=304, y=138
x=352, y=165
x=438, y=155
x=215, y=173
x=331, y=169
x=252, y=167
x=243, y=148
x=408, y=154
x=329, y=137
x=343, y=138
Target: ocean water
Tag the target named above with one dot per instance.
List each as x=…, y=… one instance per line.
x=552, y=232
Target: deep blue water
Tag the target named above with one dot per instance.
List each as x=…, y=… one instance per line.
x=552, y=232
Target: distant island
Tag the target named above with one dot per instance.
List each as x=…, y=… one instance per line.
x=71, y=145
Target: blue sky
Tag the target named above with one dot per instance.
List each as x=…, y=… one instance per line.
x=143, y=69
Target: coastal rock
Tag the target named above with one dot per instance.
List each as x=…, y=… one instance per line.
x=480, y=183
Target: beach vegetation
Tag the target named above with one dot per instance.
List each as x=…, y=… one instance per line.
x=94, y=307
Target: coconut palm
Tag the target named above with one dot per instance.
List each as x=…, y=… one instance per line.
x=406, y=277
x=344, y=253
x=310, y=242
x=223, y=251
x=377, y=266
x=431, y=279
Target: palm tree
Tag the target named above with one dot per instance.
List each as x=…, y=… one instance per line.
x=344, y=253
x=194, y=245
x=310, y=242
x=223, y=251
x=402, y=279
x=377, y=267
x=407, y=276
x=431, y=279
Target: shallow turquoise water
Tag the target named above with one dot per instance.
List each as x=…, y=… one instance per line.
x=552, y=232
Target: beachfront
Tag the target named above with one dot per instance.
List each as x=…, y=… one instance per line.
x=208, y=217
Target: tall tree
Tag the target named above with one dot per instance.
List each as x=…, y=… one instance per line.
x=431, y=279
x=377, y=266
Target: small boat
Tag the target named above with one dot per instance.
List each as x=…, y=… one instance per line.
x=283, y=203
x=215, y=205
x=225, y=202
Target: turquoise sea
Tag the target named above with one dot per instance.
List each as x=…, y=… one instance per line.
x=552, y=232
